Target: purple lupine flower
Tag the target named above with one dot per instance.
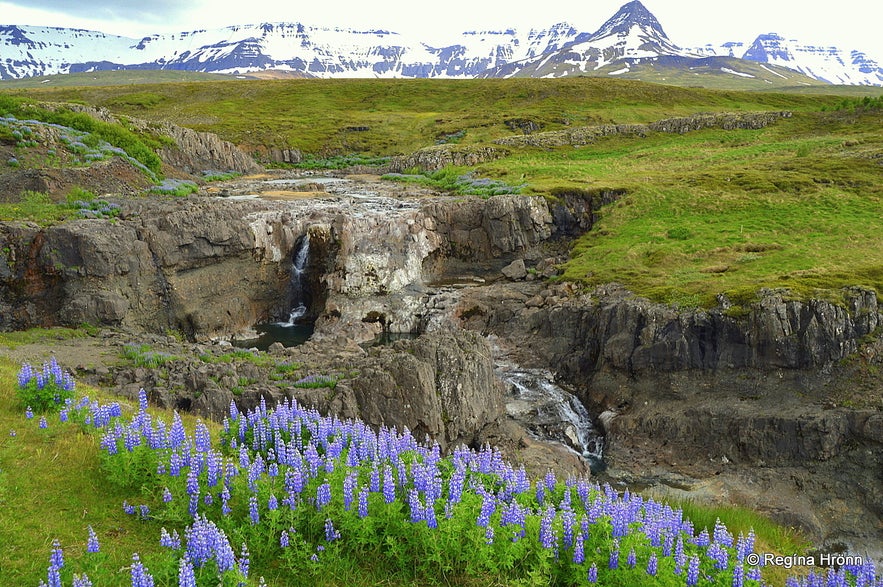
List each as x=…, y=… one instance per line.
x=719, y=554
x=202, y=437
x=721, y=534
x=166, y=495
x=632, y=559
x=415, y=505
x=693, y=571
x=284, y=540
x=680, y=556
x=489, y=535
x=550, y=480
x=592, y=574
x=25, y=374
x=186, y=574
x=81, y=581
x=348, y=484
x=140, y=576
x=753, y=574
x=129, y=509
x=568, y=520
x=272, y=503
x=244, y=562
x=374, y=480
x=703, y=540
x=613, y=560
x=225, y=499
x=253, y=510
x=142, y=400
x=29, y=413
x=56, y=556
x=652, y=565
x=548, y=537
x=92, y=542
x=144, y=512
x=62, y=415
x=323, y=495
x=389, y=488
x=167, y=540
x=738, y=575
x=363, y=502
x=579, y=555
x=488, y=506
x=330, y=533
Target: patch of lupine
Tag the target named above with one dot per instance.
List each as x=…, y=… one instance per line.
x=97, y=209
x=307, y=492
x=45, y=389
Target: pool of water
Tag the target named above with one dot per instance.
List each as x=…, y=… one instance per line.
x=287, y=334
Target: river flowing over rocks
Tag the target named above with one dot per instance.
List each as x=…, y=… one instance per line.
x=430, y=311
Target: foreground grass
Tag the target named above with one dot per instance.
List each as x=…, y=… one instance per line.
x=52, y=487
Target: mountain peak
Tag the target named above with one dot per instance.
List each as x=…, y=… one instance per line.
x=628, y=16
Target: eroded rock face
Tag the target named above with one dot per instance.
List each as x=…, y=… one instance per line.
x=702, y=405
x=440, y=385
x=213, y=266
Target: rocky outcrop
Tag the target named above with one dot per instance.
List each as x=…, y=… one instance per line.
x=200, y=152
x=782, y=399
x=194, y=152
x=440, y=156
x=481, y=230
x=188, y=265
x=612, y=330
x=588, y=134
x=440, y=385
x=213, y=266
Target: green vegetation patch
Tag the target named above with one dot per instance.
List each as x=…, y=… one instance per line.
x=795, y=205
x=134, y=145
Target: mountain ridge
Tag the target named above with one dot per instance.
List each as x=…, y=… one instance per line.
x=631, y=36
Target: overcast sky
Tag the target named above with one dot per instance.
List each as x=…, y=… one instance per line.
x=847, y=24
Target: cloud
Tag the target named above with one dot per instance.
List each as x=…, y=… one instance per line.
x=154, y=11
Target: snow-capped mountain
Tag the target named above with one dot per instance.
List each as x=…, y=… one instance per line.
x=829, y=64
x=632, y=33
x=320, y=52
x=630, y=38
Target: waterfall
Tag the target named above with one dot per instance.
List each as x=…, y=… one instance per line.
x=550, y=412
x=299, y=292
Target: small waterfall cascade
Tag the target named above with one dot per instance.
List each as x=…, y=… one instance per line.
x=299, y=293
x=550, y=412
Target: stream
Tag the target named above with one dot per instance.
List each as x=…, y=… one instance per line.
x=550, y=412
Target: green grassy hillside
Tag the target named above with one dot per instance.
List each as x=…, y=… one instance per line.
x=387, y=117
x=796, y=204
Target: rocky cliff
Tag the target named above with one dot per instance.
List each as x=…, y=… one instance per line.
x=584, y=135
x=700, y=404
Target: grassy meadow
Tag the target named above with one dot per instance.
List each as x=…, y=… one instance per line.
x=794, y=205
